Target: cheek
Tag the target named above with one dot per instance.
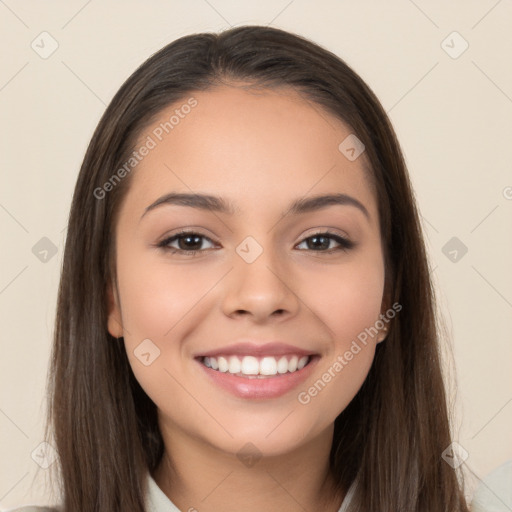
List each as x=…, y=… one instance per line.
x=158, y=301
x=155, y=301
x=156, y=296
x=350, y=306
x=348, y=300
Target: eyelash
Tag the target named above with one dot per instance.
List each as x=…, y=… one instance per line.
x=345, y=244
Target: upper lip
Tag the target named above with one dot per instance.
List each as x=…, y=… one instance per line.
x=249, y=348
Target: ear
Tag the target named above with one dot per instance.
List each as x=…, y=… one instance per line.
x=386, y=303
x=115, y=322
x=383, y=334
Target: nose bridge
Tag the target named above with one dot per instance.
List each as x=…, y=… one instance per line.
x=259, y=283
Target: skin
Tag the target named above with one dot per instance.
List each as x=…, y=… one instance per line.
x=261, y=150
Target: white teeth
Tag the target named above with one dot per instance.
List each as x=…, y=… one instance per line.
x=235, y=366
x=292, y=365
x=249, y=365
x=282, y=365
x=268, y=366
x=223, y=364
x=302, y=362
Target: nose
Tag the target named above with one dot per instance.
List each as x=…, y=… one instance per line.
x=262, y=289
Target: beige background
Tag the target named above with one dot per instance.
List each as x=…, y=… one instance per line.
x=453, y=117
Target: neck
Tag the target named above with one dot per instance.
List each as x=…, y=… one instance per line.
x=197, y=476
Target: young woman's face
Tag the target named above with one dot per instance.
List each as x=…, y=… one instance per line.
x=266, y=288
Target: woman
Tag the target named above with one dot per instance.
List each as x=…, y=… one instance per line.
x=245, y=315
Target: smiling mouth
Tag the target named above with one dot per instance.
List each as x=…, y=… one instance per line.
x=251, y=367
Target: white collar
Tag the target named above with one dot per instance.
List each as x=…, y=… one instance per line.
x=157, y=501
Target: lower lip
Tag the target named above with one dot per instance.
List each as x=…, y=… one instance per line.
x=257, y=388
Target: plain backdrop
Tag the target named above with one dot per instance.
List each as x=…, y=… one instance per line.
x=442, y=71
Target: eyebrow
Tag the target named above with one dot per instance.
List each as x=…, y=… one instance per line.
x=218, y=204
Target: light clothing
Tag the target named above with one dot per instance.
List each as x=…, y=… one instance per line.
x=493, y=495
x=157, y=501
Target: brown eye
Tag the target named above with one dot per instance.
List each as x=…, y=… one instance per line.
x=321, y=242
x=188, y=243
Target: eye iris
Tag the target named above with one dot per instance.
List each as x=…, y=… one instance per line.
x=185, y=247
x=312, y=242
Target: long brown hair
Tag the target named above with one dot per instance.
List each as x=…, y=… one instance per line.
x=392, y=434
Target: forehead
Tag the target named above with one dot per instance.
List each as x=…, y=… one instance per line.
x=251, y=146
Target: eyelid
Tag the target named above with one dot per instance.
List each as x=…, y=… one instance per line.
x=198, y=231
x=344, y=242
x=326, y=230
x=164, y=243
x=187, y=231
